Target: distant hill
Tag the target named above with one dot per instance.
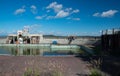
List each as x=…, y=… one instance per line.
x=3, y=36
x=53, y=36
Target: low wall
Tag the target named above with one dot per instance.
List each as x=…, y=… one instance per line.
x=79, y=41
x=2, y=40
x=88, y=50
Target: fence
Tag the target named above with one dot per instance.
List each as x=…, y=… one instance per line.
x=111, y=41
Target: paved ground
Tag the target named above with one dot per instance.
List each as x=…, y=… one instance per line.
x=68, y=66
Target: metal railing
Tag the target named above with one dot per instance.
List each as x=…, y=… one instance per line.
x=111, y=31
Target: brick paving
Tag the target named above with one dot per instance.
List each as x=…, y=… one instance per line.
x=17, y=65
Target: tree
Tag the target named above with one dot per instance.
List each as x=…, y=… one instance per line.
x=70, y=39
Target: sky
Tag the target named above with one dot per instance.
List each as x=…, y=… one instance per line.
x=59, y=17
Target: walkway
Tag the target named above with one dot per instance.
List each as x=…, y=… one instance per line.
x=16, y=65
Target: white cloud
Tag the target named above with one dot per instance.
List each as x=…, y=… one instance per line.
x=55, y=6
x=108, y=13
x=50, y=17
x=68, y=9
x=60, y=11
x=27, y=27
x=38, y=17
x=51, y=5
x=96, y=14
x=19, y=11
x=33, y=28
x=76, y=19
x=62, y=14
x=33, y=9
x=75, y=11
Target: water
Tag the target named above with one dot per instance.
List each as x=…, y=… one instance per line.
x=54, y=50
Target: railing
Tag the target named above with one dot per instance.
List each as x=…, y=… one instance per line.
x=112, y=31
x=24, y=45
x=111, y=41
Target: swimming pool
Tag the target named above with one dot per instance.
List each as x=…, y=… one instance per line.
x=40, y=50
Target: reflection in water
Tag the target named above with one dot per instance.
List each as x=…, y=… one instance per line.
x=40, y=51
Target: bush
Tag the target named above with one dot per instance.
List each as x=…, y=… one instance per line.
x=35, y=72
x=95, y=72
x=31, y=72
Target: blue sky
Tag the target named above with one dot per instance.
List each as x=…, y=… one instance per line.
x=59, y=17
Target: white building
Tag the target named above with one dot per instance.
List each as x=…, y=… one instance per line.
x=24, y=37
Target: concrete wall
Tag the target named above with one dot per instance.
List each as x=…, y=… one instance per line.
x=80, y=41
x=2, y=40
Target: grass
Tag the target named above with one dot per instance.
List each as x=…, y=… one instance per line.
x=31, y=72
x=95, y=72
x=97, y=50
x=35, y=72
x=57, y=73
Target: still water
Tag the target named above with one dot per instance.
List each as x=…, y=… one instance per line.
x=40, y=51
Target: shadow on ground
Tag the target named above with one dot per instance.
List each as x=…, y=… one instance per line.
x=107, y=64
